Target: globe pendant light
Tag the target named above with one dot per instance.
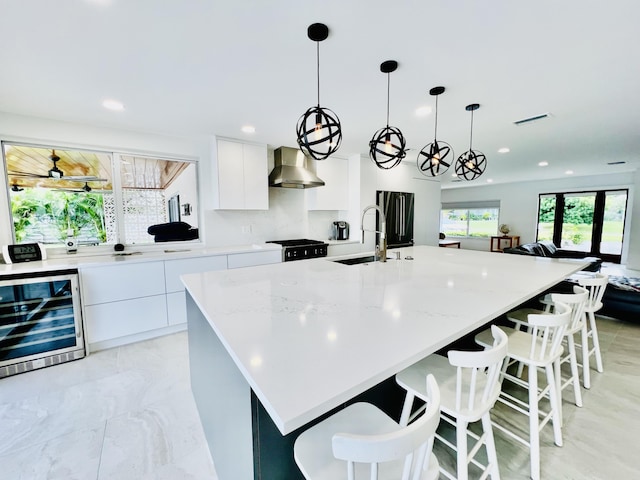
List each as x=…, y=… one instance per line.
x=434, y=158
x=471, y=164
x=319, y=132
x=387, y=147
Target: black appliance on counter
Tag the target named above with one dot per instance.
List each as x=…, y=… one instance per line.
x=301, y=249
x=341, y=230
x=398, y=212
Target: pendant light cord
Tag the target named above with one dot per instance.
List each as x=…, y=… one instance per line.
x=471, y=134
x=318, y=69
x=435, y=130
x=388, y=90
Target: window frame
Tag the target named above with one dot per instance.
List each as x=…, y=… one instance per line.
x=469, y=206
x=116, y=181
x=598, y=219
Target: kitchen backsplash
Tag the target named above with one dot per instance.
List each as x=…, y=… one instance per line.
x=287, y=218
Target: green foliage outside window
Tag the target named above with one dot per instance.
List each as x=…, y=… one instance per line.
x=46, y=215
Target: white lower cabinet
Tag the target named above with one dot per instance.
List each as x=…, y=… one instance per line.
x=129, y=302
x=177, y=308
x=174, y=268
x=107, y=321
x=251, y=259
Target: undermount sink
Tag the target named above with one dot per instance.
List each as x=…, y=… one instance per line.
x=357, y=260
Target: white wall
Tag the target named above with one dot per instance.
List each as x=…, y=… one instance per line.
x=519, y=206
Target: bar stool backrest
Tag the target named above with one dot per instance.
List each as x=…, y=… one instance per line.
x=577, y=301
x=596, y=287
x=413, y=442
x=478, y=375
x=547, y=331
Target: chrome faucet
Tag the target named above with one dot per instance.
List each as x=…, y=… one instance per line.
x=381, y=248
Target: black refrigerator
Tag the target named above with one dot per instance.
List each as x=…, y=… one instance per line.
x=398, y=211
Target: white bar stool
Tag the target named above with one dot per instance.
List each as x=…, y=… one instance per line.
x=361, y=441
x=577, y=302
x=539, y=348
x=469, y=384
x=596, y=287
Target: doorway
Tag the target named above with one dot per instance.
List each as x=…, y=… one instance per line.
x=590, y=222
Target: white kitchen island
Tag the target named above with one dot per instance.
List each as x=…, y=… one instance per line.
x=274, y=347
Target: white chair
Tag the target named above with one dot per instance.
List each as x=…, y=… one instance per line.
x=361, y=441
x=469, y=385
x=539, y=348
x=596, y=287
x=577, y=302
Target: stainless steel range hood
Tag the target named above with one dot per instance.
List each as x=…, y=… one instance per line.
x=293, y=169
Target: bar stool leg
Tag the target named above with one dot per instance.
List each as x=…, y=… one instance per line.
x=556, y=417
x=596, y=341
x=574, y=371
x=461, y=445
x=491, y=447
x=534, y=428
x=586, y=372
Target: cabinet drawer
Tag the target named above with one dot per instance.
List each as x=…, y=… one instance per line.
x=118, y=319
x=174, y=268
x=120, y=282
x=176, y=308
x=250, y=259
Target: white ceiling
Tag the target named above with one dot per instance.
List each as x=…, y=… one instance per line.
x=209, y=67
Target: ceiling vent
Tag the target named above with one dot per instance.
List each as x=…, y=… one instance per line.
x=616, y=163
x=531, y=119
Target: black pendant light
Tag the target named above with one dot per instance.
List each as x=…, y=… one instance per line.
x=387, y=147
x=318, y=130
x=471, y=164
x=435, y=157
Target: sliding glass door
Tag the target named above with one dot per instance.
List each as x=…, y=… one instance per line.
x=589, y=222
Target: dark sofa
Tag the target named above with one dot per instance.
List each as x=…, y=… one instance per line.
x=621, y=299
x=548, y=249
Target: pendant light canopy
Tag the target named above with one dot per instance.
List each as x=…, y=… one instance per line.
x=319, y=132
x=387, y=148
x=435, y=158
x=471, y=164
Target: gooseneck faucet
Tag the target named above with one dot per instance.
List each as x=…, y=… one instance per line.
x=381, y=248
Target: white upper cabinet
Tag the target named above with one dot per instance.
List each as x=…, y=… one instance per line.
x=242, y=176
x=335, y=193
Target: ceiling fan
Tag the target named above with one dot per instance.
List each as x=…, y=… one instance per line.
x=55, y=173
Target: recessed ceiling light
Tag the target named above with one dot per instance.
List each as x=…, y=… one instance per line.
x=114, y=105
x=489, y=180
x=249, y=129
x=423, y=111
x=569, y=172
x=454, y=175
x=543, y=164
x=504, y=150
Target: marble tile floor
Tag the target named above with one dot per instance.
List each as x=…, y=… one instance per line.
x=128, y=413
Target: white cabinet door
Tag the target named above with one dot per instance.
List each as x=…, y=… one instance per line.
x=335, y=193
x=107, y=321
x=256, y=177
x=250, y=259
x=174, y=268
x=242, y=176
x=120, y=282
x=230, y=175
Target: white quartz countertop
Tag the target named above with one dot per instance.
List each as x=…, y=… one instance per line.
x=309, y=335
x=130, y=255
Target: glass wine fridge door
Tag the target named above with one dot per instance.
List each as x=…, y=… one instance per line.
x=40, y=322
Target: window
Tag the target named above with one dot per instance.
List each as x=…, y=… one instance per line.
x=478, y=219
x=591, y=222
x=99, y=198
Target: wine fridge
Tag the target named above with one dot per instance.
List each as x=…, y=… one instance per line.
x=40, y=320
